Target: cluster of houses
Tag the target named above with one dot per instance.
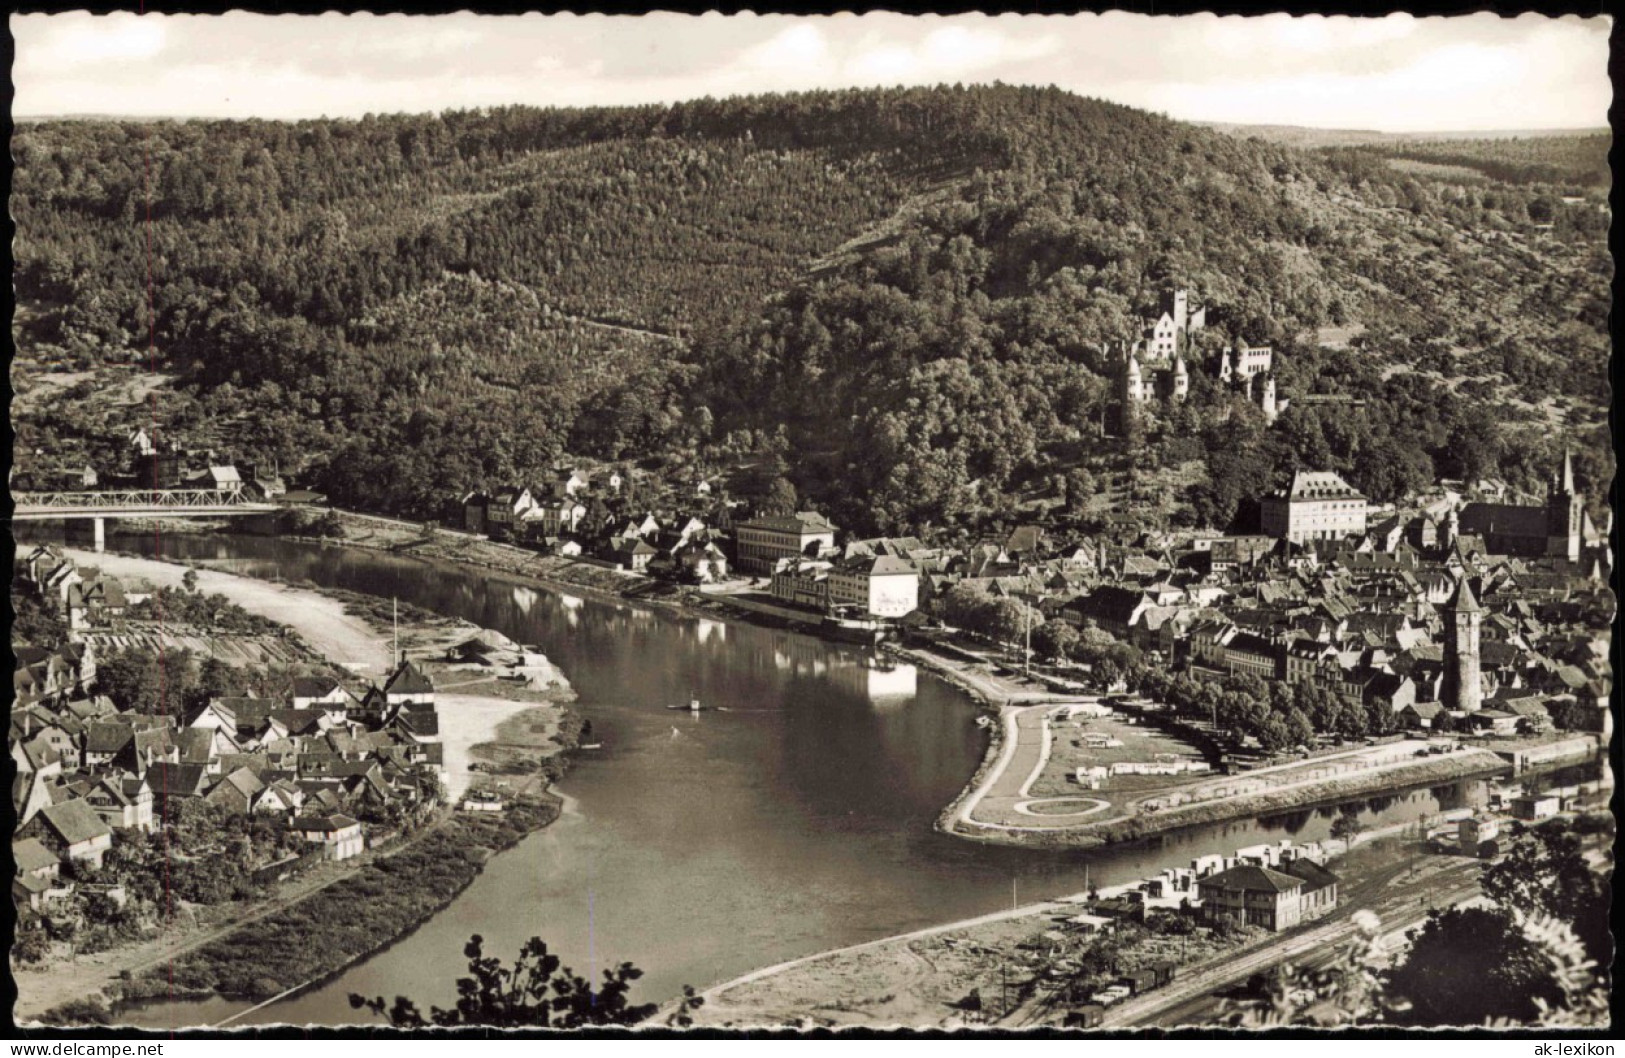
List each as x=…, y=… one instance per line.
x=559, y=519
x=1411, y=610
x=83, y=595
x=161, y=463
x=316, y=759
x=1478, y=611
x=1406, y=608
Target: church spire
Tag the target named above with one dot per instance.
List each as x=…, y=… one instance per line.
x=1565, y=480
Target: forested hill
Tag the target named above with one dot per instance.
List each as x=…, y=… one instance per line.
x=915, y=283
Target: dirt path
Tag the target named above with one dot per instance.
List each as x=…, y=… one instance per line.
x=719, y=1009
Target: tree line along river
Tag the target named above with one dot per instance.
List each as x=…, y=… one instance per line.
x=700, y=848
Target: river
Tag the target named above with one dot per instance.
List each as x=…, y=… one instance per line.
x=700, y=848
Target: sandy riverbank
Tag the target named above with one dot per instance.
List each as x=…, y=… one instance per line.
x=323, y=623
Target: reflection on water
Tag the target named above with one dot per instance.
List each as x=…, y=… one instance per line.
x=799, y=820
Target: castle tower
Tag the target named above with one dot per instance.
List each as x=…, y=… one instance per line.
x=1180, y=311
x=1266, y=400
x=1133, y=379
x=1565, y=513
x=1463, y=687
x=1182, y=379
x=1452, y=530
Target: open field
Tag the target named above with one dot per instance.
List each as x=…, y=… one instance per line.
x=321, y=622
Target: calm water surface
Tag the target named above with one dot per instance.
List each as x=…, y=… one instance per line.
x=703, y=847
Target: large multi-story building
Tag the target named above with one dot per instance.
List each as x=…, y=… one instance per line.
x=1276, y=900
x=884, y=586
x=761, y=542
x=1318, y=505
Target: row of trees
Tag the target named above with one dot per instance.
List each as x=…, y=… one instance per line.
x=1277, y=714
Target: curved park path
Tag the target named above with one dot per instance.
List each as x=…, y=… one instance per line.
x=1028, y=739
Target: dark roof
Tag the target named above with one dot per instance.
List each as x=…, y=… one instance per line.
x=243, y=781
x=804, y=522
x=1250, y=643
x=1250, y=878
x=1315, y=877
x=327, y=824
x=408, y=679
x=176, y=780
x=75, y=821
x=314, y=686
x=106, y=736
x=1109, y=603
x=1503, y=519
x=299, y=721
x=31, y=855
x=1462, y=600
x=196, y=744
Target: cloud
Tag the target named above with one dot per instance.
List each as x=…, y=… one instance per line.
x=949, y=53
x=76, y=40
x=800, y=48
x=1399, y=72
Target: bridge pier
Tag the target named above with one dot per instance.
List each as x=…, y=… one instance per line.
x=87, y=531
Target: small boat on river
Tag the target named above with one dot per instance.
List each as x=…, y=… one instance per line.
x=693, y=706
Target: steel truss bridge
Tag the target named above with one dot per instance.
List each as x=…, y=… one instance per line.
x=134, y=503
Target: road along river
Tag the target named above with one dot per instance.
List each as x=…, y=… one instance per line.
x=703, y=847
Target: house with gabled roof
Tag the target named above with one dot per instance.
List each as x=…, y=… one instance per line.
x=123, y=801
x=72, y=830
x=236, y=792
x=176, y=782
x=338, y=834
x=320, y=692
x=408, y=683
x=1251, y=895
x=196, y=745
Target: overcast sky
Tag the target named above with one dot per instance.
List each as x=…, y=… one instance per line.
x=1395, y=74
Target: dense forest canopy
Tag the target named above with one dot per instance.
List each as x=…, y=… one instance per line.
x=917, y=285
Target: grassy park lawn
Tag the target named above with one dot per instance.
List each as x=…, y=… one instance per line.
x=1140, y=743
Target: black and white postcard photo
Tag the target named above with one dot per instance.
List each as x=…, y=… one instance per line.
x=1080, y=529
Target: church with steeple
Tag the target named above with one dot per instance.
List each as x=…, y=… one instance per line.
x=1558, y=529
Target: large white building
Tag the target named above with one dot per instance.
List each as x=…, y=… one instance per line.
x=885, y=586
x=1318, y=505
x=761, y=542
